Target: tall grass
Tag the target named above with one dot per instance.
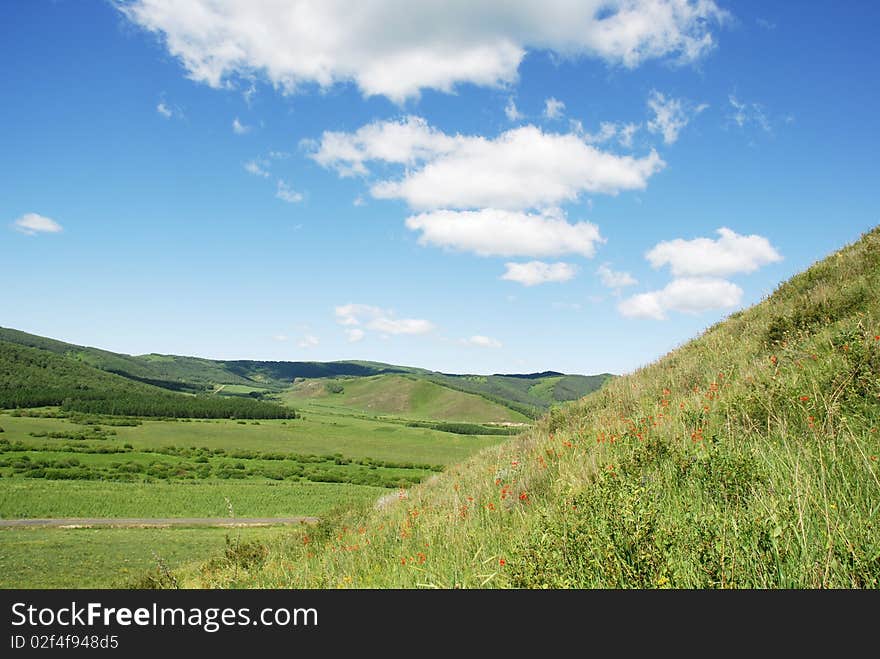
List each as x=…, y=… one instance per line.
x=747, y=458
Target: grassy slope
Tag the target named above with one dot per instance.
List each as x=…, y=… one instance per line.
x=405, y=397
x=747, y=458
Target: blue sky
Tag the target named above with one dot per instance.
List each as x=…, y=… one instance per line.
x=481, y=189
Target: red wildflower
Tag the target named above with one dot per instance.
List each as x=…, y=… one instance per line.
x=523, y=496
x=502, y=562
x=804, y=399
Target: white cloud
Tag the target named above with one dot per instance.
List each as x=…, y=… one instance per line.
x=354, y=335
x=764, y=23
x=687, y=295
x=32, y=224
x=521, y=168
x=285, y=193
x=280, y=338
x=614, y=279
x=482, y=342
x=256, y=167
x=164, y=110
x=404, y=142
x=538, y=272
x=511, y=112
x=671, y=115
x=359, y=201
x=553, y=109
x=400, y=325
x=625, y=134
x=493, y=232
x=352, y=314
x=308, y=341
x=396, y=49
x=730, y=254
x=380, y=320
x=239, y=128
x=608, y=130
x=748, y=114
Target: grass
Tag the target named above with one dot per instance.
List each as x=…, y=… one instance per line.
x=319, y=433
x=108, y=558
x=402, y=396
x=747, y=459
x=37, y=498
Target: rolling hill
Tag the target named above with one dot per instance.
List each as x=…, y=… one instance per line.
x=747, y=458
x=401, y=395
x=504, y=397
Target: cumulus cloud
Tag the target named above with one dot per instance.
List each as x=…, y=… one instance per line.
x=379, y=320
x=493, y=232
x=553, y=109
x=280, y=338
x=521, y=168
x=538, y=272
x=482, y=342
x=33, y=224
x=511, y=112
x=730, y=254
x=308, y=341
x=405, y=142
x=285, y=193
x=671, y=115
x=397, y=49
x=614, y=279
x=690, y=295
x=354, y=335
x=239, y=128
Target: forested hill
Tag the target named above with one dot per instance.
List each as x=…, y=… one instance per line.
x=32, y=377
x=528, y=394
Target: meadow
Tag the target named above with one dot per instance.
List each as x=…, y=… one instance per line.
x=61, y=464
x=112, y=558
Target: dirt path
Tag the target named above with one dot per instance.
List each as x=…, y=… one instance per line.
x=141, y=522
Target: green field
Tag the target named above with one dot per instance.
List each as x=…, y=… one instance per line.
x=55, y=464
x=109, y=558
x=318, y=433
x=37, y=498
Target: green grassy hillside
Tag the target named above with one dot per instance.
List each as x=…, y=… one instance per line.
x=747, y=458
x=403, y=396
